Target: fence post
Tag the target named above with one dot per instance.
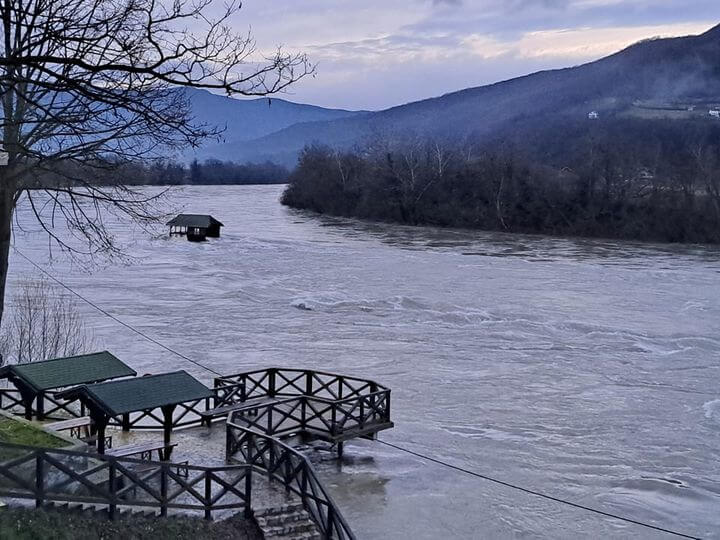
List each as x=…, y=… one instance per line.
x=330, y=521
x=271, y=382
x=248, y=492
x=288, y=472
x=362, y=412
x=333, y=419
x=303, y=412
x=111, y=486
x=208, y=495
x=163, y=489
x=39, y=479
x=228, y=443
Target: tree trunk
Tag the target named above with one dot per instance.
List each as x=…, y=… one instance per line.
x=7, y=207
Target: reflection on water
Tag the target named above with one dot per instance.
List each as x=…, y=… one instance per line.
x=587, y=369
x=498, y=244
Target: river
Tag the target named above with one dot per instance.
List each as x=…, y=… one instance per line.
x=585, y=369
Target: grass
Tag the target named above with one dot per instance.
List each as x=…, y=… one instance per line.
x=16, y=432
x=26, y=524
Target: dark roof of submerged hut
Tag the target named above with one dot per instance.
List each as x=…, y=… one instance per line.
x=194, y=220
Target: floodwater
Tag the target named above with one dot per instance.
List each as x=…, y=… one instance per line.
x=588, y=370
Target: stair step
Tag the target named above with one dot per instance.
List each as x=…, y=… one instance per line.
x=279, y=519
x=305, y=536
x=288, y=529
x=281, y=509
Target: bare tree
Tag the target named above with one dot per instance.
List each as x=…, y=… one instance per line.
x=44, y=323
x=86, y=85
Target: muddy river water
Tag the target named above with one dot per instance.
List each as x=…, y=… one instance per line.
x=585, y=369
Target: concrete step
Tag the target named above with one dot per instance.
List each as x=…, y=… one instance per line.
x=287, y=529
x=304, y=536
x=287, y=521
x=280, y=509
x=273, y=520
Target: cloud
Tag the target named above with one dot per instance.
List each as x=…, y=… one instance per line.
x=375, y=53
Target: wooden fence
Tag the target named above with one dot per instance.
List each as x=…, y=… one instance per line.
x=286, y=465
x=47, y=475
x=277, y=382
x=356, y=416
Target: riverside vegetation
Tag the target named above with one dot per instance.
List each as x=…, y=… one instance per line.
x=621, y=177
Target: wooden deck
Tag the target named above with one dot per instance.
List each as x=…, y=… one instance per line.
x=314, y=404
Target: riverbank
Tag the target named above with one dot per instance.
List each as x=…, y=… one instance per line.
x=505, y=193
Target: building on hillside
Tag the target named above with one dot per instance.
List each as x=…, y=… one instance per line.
x=196, y=227
x=593, y=115
x=714, y=113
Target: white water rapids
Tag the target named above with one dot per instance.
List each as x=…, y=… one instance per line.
x=589, y=370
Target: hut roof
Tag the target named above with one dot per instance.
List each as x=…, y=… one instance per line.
x=141, y=393
x=194, y=220
x=69, y=371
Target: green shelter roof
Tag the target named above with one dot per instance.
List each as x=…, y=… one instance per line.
x=141, y=393
x=70, y=371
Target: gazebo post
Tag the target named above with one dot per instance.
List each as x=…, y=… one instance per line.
x=27, y=394
x=100, y=421
x=40, y=406
x=167, y=411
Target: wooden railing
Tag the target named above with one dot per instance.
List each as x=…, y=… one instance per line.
x=284, y=464
x=11, y=400
x=277, y=382
x=52, y=408
x=318, y=415
x=47, y=475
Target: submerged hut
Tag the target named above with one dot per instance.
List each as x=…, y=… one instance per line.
x=196, y=227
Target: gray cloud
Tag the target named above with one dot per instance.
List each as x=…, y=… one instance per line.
x=377, y=53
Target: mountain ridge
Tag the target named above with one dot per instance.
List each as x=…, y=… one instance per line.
x=680, y=68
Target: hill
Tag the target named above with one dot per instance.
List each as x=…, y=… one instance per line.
x=245, y=120
x=682, y=71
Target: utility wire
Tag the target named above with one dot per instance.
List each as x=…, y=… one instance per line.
x=400, y=448
x=538, y=493
x=113, y=317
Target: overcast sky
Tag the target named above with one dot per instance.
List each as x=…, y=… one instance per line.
x=374, y=54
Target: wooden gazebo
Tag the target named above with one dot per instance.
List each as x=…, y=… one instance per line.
x=197, y=227
x=117, y=399
x=36, y=379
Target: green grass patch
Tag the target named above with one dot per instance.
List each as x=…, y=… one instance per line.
x=15, y=432
x=25, y=524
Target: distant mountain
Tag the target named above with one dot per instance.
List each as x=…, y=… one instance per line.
x=678, y=73
x=245, y=120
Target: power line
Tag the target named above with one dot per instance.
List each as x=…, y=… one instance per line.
x=113, y=317
x=400, y=448
x=538, y=493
